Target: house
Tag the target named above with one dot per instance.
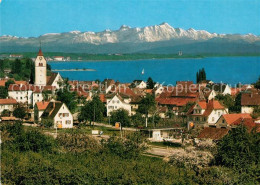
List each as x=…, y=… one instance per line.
x=21, y=93
x=177, y=98
x=117, y=101
x=209, y=94
x=139, y=84
x=54, y=80
x=107, y=85
x=213, y=133
x=220, y=88
x=206, y=113
x=28, y=94
x=7, y=104
x=164, y=134
x=39, y=108
x=233, y=120
x=249, y=100
x=58, y=58
x=59, y=114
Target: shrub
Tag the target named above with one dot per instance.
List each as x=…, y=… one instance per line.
x=77, y=143
x=130, y=147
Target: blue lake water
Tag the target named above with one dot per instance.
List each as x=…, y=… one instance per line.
x=218, y=69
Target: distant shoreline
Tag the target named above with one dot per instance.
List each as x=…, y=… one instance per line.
x=129, y=60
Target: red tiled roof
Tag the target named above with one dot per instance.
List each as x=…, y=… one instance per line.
x=175, y=101
x=7, y=101
x=42, y=105
x=235, y=91
x=21, y=82
x=234, y=118
x=210, y=106
x=213, y=133
x=36, y=89
x=102, y=97
x=250, y=99
x=2, y=82
x=203, y=104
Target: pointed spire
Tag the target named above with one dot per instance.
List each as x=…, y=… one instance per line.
x=40, y=50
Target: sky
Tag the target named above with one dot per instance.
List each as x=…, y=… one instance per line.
x=31, y=18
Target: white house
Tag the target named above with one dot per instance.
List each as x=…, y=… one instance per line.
x=54, y=80
x=21, y=93
x=58, y=58
x=249, y=101
x=7, y=104
x=220, y=88
x=117, y=102
x=206, y=113
x=58, y=113
x=140, y=84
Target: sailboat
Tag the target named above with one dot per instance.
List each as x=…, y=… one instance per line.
x=142, y=71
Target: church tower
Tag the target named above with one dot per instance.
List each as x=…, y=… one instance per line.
x=40, y=70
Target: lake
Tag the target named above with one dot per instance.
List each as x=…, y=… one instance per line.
x=231, y=70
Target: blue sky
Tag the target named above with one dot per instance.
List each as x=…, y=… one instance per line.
x=36, y=17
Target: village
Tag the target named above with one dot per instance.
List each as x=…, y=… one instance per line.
x=163, y=113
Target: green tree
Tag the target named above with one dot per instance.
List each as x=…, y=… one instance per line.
x=19, y=112
x=147, y=105
x=137, y=119
x=239, y=149
x=66, y=96
x=93, y=110
x=201, y=75
x=257, y=84
x=8, y=83
x=121, y=116
x=17, y=66
x=3, y=92
x=150, y=83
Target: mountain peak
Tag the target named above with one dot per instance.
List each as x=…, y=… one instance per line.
x=125, y=27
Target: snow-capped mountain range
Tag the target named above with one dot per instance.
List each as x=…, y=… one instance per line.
x=125, y=35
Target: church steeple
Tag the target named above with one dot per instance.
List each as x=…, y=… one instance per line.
x=40, y=52
x=40, y=69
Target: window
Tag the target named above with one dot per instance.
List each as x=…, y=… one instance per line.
x=113, y=101
x=68, y=122
x=60, y=114
x=218, y=113
x=213, y=119
x=223, y=121
x=117, y=101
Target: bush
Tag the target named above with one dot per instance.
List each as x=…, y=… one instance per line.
x=131, y=147
x=78, y=143
x=48, y=123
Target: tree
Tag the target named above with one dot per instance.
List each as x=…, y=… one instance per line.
x=66, y=96
x=257, y=84
x=92, y=111
x=17, y=66
x=201, y=75
x=3, y=92
x=8, y=83
x=121, y=116
x=150, y=83
x=239, y=149
x=19, y=112
x=137, y=119
x=146, y=106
